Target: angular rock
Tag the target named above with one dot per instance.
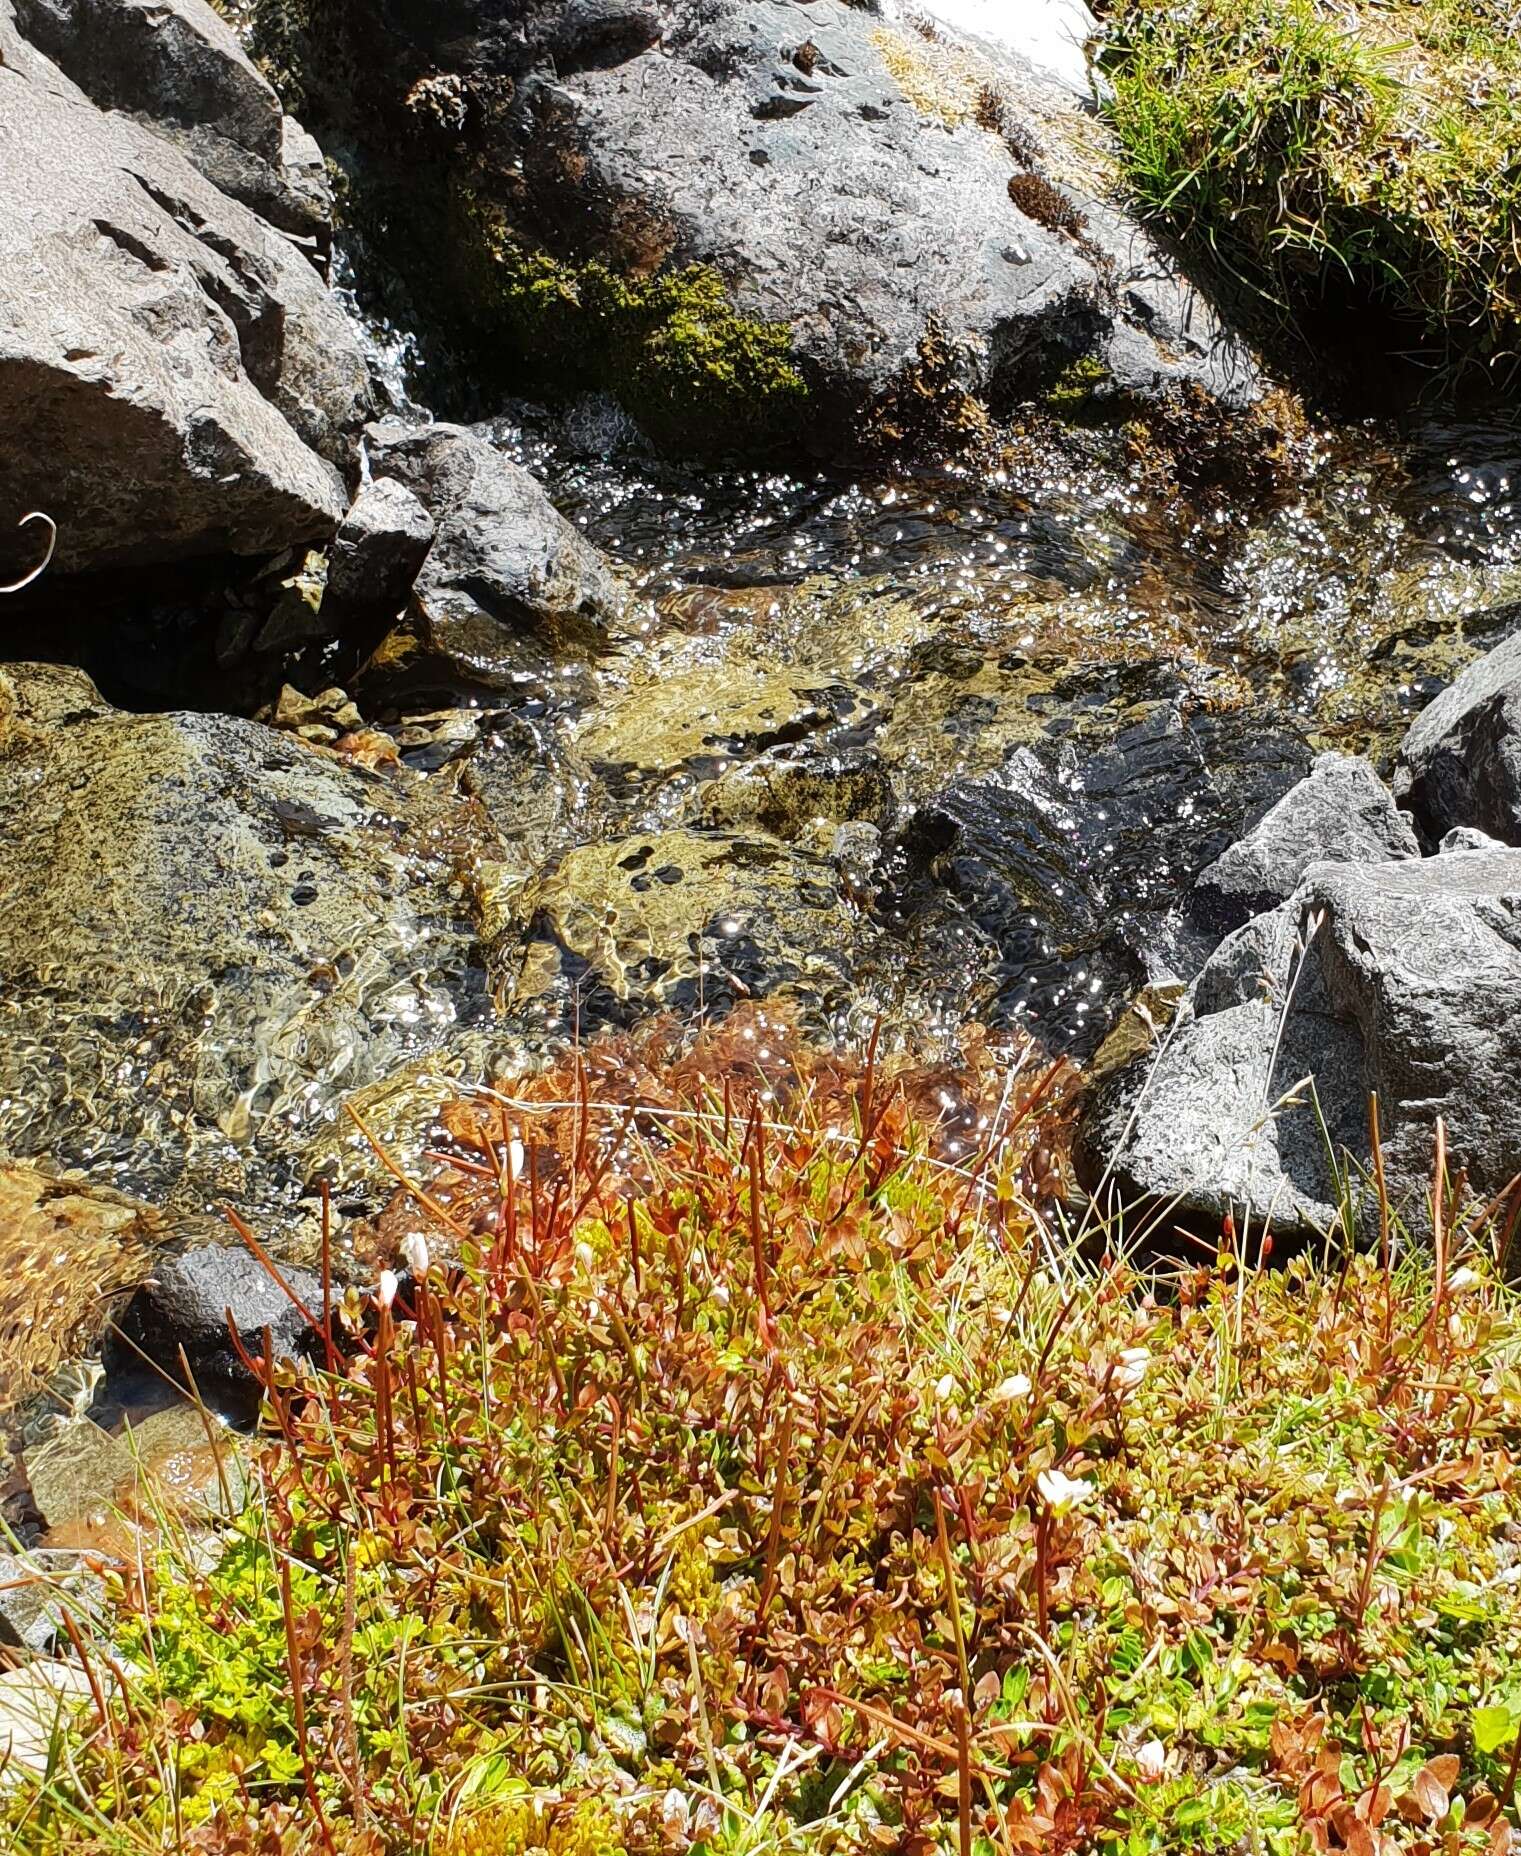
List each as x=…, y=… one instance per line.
x=1341, y=812
x=174, y=377
x=177, y=66
x=187, y=1302
x=1410, y=986
x=37, y=1701
x=206, y=929
x=919, y=219
x=508, y=586
x=1465, y=838
x=35, y=1589
x=1460, y=764
x=380, y=548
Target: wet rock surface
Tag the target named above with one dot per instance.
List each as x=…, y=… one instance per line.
x=1402, y=978
x=1460, y=764
x=176, y=378
x=190, y=1303
x=507, y=588
x=924, y=221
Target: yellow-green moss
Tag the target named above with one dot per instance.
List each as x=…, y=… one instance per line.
x=672, y=346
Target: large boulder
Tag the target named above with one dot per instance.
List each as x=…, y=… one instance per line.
x=1460, y=764
x=507, y=586
x=209, y=931
x=177, y=66
x=1402, y=978
x=175, y=379
x=1341, y=812
x=757, y=217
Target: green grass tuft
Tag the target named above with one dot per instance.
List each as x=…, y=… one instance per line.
x=1331, y=153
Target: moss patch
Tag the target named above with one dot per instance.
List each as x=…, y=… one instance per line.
x=1319, y=154
x=672, y=346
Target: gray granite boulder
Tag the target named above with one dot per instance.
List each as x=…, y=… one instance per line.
x=178, y=67
x=509, y=590
x=1460, y=763
x=1341, y=812
x=1402, y=978
x=175, y=379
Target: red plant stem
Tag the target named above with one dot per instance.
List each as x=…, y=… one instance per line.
x=964, y=1777
x=383, y=1398
x=264, y=1258
x=778, y=1509
x=89, y=1668
x=1381, y=1186
x=1439, y=1221
x=633, y=1245
x=441, y=1354
x=1508, y=1791
x=298, y=1702
x=757, y=1246
x=327, y=1279
x=1370, y=1561
x=611, y=1512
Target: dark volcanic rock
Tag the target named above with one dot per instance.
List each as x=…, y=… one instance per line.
x=920, y=219
x=177, y=66
x=508, y=585
x=175, y=378
x=1340, y=813
x=1404, y=978
x=187, y=1303
x=1460, y=764
x=380, y=548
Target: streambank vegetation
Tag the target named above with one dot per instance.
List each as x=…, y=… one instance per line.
x=744, y=1456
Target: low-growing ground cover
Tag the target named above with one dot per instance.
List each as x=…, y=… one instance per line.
x=1320, y=150
x=747, y=1467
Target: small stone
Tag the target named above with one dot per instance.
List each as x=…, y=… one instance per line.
x=36, y=1589
x=380, y=548
x=1460, y=763
x=35, y=1701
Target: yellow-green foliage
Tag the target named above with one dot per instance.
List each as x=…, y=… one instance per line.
x=671, y=345
x=1307, y=144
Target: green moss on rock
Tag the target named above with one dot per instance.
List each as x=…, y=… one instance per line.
x=672, y=346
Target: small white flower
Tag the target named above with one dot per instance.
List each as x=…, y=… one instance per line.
x=1062, y=1493
x=675, y=1815
x=1130, y=1368
x=1151, y=1761
x=585, y=1255
x=385, y=1289
x=514, y=1159
x=945, y=1388
x=1017, y=1385
x=414, y=1253
x=1464, y=1278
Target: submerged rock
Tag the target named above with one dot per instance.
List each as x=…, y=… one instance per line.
x=872, y=231
x=175, y=378
x=1340, y=813
x=1402, y=978
x=209, y=929
x=1460, y=764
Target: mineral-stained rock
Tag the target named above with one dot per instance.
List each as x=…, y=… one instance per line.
x=175, y=379
x=1341, y=812
x=1402, y=978
x=1460, y=764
